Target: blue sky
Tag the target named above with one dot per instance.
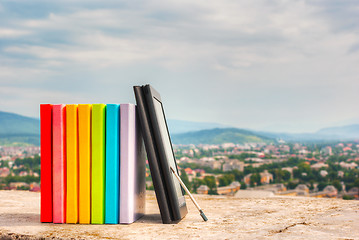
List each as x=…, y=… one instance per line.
x=268, y=65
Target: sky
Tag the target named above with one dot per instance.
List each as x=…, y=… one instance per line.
x=290, y=66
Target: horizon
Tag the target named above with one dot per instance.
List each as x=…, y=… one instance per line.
x=220, y=125
x=282, y=66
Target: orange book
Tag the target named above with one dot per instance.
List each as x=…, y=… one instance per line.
x=72, y=164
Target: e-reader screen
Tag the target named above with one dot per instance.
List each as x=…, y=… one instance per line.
x=168, y=149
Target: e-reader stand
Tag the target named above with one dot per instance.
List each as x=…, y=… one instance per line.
x=190, y=195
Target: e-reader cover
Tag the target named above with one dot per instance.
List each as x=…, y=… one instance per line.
x=167, y=198
x=151, y=156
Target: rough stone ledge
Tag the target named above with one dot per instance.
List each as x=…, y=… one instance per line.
x=229, y=218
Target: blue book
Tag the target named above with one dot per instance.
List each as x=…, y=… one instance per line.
x=112, y=185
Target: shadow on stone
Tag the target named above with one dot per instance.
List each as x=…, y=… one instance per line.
x=150, y=218
x=28, y=219
x=20, y=219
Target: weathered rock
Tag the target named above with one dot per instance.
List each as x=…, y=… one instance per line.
x=229, y=218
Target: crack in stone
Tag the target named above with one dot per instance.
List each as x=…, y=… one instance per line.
x=290, y=226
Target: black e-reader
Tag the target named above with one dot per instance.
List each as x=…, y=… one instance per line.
x=161, y=159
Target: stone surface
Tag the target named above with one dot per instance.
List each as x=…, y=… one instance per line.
x=229, y=218
x=253, y=194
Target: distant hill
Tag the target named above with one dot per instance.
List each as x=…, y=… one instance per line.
x=236, y=135
x=349, y=131
x=343, y=133
x=219, y=136
x=17, y=129
x=180, y=126
x=20, y=130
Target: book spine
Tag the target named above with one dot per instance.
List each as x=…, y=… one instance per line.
x=59, y=163
x=98, y=163
x=127, y=164
x=112, y=184
x=84, y=119
x=71, y=164
x=46, y=162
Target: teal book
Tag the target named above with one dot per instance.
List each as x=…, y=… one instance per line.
x=112, y=164
x=98, y=150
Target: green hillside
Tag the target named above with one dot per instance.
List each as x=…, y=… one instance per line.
x=18, y=130
x=219, y=136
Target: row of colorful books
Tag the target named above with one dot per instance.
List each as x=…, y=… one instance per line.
x=92, y=164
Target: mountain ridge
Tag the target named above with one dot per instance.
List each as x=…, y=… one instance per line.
x=15, y=128
x=18, y=129
x=219, y=136
x=337, y=133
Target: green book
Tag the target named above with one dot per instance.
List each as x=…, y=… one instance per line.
x=98, y=163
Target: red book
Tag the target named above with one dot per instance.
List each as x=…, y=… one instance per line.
x=46, y=162
x=59, y=162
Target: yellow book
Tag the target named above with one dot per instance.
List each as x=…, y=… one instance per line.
x=98, y=149
x=84, y=119
x=71, y=164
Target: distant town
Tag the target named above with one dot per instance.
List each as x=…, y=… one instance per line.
x=287, y=169
x=20, y=168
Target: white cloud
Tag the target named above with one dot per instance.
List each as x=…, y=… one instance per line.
x=12, y=33
x=237, y=34
x=218, y=54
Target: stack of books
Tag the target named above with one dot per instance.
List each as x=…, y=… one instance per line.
x=92, y=164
